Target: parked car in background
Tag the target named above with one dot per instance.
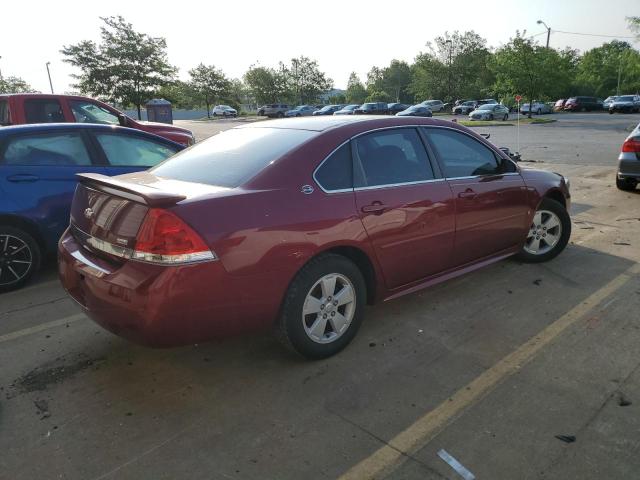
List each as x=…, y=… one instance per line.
x=464, y=108
x=222, y=244
x=276, y=110
x=608, y=101
x=625, y=104
x=490, y=111
x=25, y=108
x=372, y=108
x=347, y=110
x=487, y=101
x=328, y=110
x=300, y=111
x=582, y=104
x=393, y=108
x=419, y=110
x=559, y=105
x=538, y=108
x=261, y=110
x=224, y=111
x=38, y=167
x=628, y=174
x=433, y=105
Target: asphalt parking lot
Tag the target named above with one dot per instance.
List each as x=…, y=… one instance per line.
x=491, y=367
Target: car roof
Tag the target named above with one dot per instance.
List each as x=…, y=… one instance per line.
x=52, y=127
x=324, y=123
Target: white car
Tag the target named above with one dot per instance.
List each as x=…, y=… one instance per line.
x=433, y=105
x=224, y=111
x=538, y=108
x=490, y=111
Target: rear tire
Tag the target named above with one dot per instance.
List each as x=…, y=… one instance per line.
x=506, y=117
x=280, y=115
x=549, y=233
x=491, y=117
x=328, y=326
x=20, y=258
x=626, y=184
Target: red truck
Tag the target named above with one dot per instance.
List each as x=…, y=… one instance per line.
x=21, y=108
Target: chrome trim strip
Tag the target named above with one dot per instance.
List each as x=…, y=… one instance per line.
x=390, y=185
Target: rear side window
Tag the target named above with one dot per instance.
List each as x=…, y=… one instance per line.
x=131, y=151
x=43, y=110
x=47, y=149
x=391, y=157
x=336, y=173
x=232, y=157
x=461, y=155
x=4, y=112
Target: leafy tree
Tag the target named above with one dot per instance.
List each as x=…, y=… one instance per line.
x=14, y=85
x=210, y=84
x=428, y=78
x=338, y=99
x=126, y=67
x=264, y=84
x=396, y=79
x=356, y=93
x=180, y=94
x=378, y=96
x=599, y=68
x=305, y=80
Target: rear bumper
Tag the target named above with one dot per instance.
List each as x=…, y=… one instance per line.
x=628, y=166
x=158, y=305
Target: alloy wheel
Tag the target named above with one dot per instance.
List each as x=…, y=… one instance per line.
x=544, y=233
x=16, y=259
x=329, y=308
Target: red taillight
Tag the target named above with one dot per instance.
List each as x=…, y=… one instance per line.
x=165, y=238
x=631, y=145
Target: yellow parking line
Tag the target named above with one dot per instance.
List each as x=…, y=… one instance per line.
x=417, y=435
x=43, y=326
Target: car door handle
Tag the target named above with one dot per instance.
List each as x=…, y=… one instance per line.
x=468, y=193
x=375, y=208
x=23, y=178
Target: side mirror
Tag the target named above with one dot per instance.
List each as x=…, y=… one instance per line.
x=122, y=118
x=513, y=156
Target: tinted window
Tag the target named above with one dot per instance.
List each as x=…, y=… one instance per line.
x=4, y=112
x=462, y=155
x=336, y=173
x=43, y=111
x=47, y=149
x=128, y=150
x=88, y=112
x=230, y=158
x=392, y=156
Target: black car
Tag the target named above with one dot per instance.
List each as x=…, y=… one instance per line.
x=394, y=108
x=372, y=108
x=328, y=110
x=625, y=104
x=582, y=104
x=416, y=111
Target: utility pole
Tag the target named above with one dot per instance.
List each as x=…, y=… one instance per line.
x=0, y=69
x=49, y=75
x=548, y=31
x=448, y=41
x=619, y=74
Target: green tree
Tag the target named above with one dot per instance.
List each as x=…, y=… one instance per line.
x=264, y=85
x=126, y=67
x=599, y=69
x=14, y=85
x=305, y=80
x=356, y=93
x=378, y=96
x=180, y=94
x=210, y=84
x=396, y=79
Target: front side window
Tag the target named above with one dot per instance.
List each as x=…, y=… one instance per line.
x=336, y=172
x=43, y=110
x=88, y=112
x=461, y=155
x=391, y=157
x=131, y=151
x=47, y=149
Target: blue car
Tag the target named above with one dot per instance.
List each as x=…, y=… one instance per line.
x=38, y=164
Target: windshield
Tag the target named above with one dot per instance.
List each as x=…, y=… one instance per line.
x=415, y=108
x=326, y=108
x=468, y=104
x=232, y=157
x=351, y=107
x=486, y=107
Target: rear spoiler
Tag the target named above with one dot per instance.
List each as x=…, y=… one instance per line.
x=131, y=191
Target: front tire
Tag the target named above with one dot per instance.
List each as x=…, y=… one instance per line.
x=19, y=258
x=323, y=308
x=548, y=234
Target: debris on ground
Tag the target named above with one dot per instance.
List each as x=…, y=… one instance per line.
x=566, y=438
x=623, y=401
x=537, y=281
x=43, y=408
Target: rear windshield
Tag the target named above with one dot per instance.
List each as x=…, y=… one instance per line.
x=230, y=158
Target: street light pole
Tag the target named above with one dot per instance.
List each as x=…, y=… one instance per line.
x=548, y=30
x=619, y=74
x=49, y=74
x=0, y=69
x=449, y=70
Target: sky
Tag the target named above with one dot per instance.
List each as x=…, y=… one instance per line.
x=343, y=36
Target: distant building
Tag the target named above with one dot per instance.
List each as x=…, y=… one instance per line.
x=331, y=93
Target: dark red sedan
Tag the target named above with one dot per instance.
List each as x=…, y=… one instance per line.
x=296, y=224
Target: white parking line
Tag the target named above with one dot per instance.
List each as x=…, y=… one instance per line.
x=43, y=326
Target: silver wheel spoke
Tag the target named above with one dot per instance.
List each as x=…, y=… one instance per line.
x=6, y=243
x=311, y=305
x=544, y=234
x=18, y=249
x=344, y=296
x=338, y=322
x=535, y=245
x=328, y=285
x=537, y=218
x=551, y=239
x=318, y=327
x=13, y=271
x=551, y=222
